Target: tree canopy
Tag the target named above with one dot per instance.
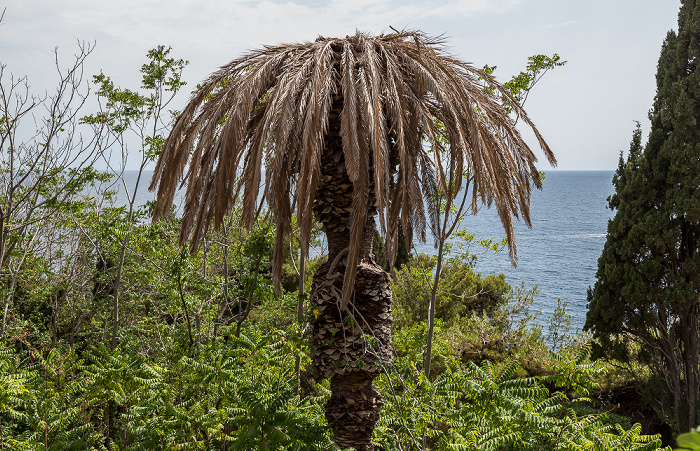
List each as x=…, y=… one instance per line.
x=648, y=279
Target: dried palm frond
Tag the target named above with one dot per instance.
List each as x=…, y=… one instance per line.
x=402, y=94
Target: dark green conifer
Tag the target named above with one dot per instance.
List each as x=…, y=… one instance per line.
x=648, y=279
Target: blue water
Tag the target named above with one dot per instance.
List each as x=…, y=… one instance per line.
x=559, y=253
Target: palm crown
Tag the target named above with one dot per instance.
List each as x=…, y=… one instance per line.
x=271, y=108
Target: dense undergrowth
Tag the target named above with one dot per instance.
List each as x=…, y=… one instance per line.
x=206, y=354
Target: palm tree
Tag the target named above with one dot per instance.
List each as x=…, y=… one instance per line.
x=346, y=130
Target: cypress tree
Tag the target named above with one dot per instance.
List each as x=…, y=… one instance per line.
x=648, y=280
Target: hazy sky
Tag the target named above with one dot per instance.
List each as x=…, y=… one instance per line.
x=585, y=110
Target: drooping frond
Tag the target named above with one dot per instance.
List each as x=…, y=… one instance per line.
x=403, y=98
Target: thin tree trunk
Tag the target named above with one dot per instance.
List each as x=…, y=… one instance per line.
x=122, y=256
x=300, y=317
x=431, y=312
x=673, y=378
x=249, y=306
x=184, y=306
x=224, y=291
x=444, y=234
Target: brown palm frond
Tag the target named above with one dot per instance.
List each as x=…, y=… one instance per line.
x=402, y=94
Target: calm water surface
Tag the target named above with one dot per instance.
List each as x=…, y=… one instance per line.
x=560, y=252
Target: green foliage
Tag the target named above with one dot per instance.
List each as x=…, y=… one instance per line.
x=126, y=109
x=689, y=440
x=489, y=407
x=461, y=291
x=520, y=85
x=123, y=401
x=14, y=395
x=240, y=395
x=559, y=325
x=573, y=375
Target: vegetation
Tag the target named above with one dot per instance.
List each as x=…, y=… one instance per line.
x=62, y=388
x=206, y=351
x=644, y=306
x=689, y=440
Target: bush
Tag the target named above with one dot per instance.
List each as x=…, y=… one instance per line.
x=460, y=293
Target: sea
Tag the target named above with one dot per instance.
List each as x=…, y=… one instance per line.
x=558, y=254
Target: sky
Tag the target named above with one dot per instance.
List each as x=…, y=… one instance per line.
x=585, y=110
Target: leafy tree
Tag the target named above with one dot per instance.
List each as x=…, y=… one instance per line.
x=520, y=85
x=339, y=125
x=126, y=115
x=648, y=279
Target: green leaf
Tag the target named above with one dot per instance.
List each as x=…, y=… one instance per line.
x=690, y=440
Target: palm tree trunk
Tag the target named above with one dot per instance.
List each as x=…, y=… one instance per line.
x=349, y=347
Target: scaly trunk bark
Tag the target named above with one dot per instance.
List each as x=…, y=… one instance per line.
x=350, y=347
